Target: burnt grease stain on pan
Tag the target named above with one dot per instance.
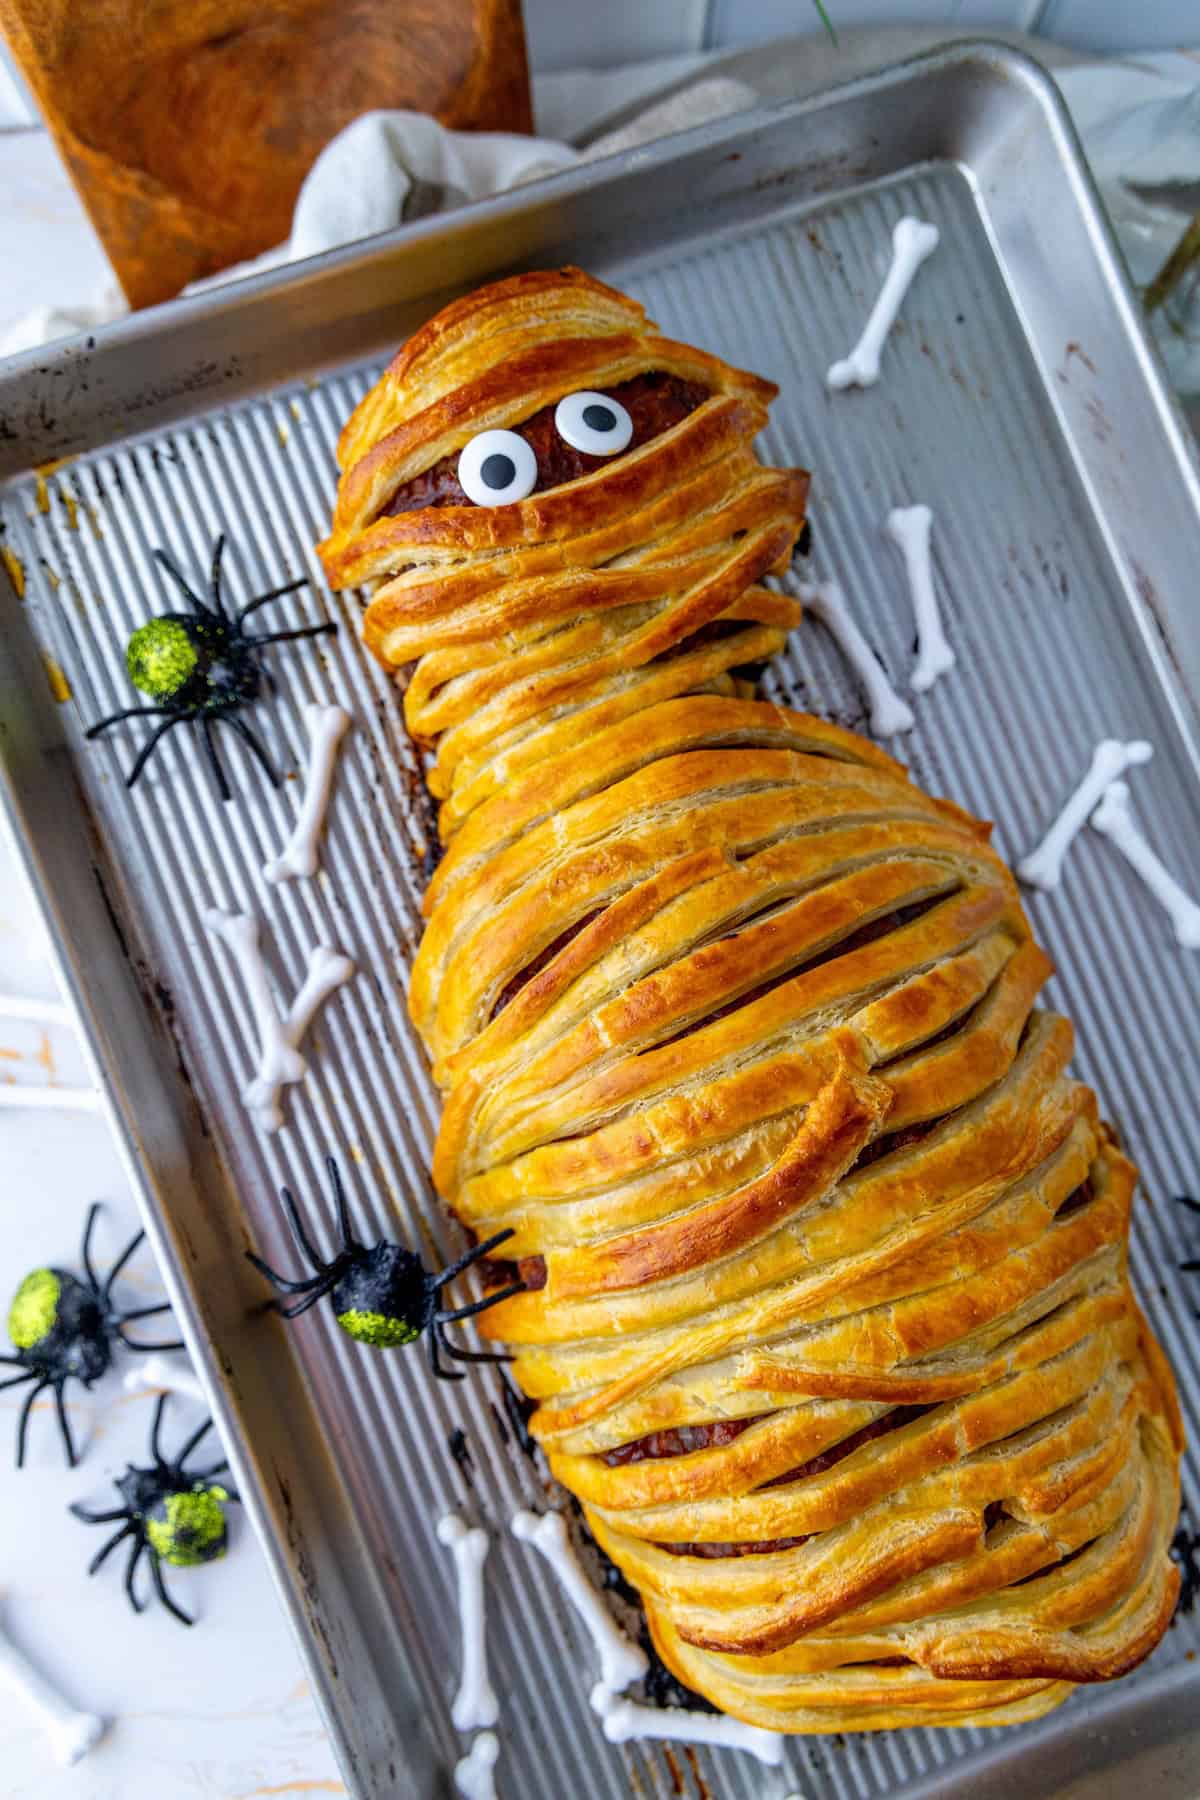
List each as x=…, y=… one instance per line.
x=458, y=1448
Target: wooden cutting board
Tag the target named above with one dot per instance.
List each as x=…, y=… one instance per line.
x=189, y=125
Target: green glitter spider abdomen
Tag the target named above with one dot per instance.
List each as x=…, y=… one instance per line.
x=34, y=1310
x=376, y=1329
x=189, y=1529
x=161, y=658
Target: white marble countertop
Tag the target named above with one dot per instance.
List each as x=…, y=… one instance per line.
x=221, y=1712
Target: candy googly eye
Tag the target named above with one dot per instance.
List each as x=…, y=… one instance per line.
x=496, y=468
x=594, y=423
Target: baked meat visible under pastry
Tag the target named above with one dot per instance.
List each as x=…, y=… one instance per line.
x=828, y=1314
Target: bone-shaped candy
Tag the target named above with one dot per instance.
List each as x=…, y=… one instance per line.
x=624, y=1719
x=1114, y=817
x=172, y=1372
x=889, y=713
x=1043, y=867
x=279, y=1038
x=475, y=1703
x=620, y=1661
x=912, y=241
x=70, y=1733
x=909, y=528
x=326, y=726
x=474, y=1776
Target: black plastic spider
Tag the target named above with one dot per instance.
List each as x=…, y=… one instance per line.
x=384, y=1296
x=63, y=1329
x=200, y=666
x=172, y=1516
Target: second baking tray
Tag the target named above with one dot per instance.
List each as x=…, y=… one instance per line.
x=1018, y=400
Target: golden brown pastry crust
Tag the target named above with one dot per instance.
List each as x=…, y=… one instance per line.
x=737, y=1032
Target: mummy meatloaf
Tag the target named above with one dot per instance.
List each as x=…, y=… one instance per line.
x=827, y=1317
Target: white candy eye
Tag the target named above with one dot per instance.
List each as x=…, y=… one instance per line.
x=496, y=468
x=593, y=422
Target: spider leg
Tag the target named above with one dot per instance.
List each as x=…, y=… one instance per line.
x=214, y=761
x=160, y=1407
x=302, y=1306
x=290, y=637
x=1189, y=1268
x=86, y=1252
x=301, y=1236
x=106, y=1550
x=166, y=561
x=214, y=577
x=128, y=712
x=79, y=1511
x=1186, y=1200
x=17, y=1380
x=476, y=1356
x=478, y=1306
x=145, y=1312
x=133, y=1244
x=203, y=1431
x=280, y=1282
x=254, y=743
x=208, y=1474
x=349, y=1241
x=23, y=1425
x=289, y=587
x=160, y=1588
x=155, y=1343
x=64, y=1426
x=148, y=748
x=473, y=1255
x=435, y=1342
x=140, y=1546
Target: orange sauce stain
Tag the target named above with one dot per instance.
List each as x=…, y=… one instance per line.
x=43, y=1056
x=11, y=1055
x=54, y=580
x=296, y=1787
x=42, y=492
x=16, y=569
x=283, y=434
x=72, y=506
x=60, y=687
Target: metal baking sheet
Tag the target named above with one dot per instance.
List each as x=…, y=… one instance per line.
x=1018, y=398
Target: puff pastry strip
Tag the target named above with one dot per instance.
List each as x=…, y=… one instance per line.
x=827, y=1311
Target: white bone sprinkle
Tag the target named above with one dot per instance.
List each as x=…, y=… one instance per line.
x=1114, y=817
x=912, y=241
x=889, y=713
x=909, y=528
x=326, y=726
x=279, y=1060
x=70, y=1733
x=475, y=1703
x=174, y=1373
x=620, y=1660
x=624, y=1719
x=1043, y=867
x=474, y=1776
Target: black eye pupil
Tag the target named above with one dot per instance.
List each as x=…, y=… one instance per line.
x=599, y=418
x=497, y=470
